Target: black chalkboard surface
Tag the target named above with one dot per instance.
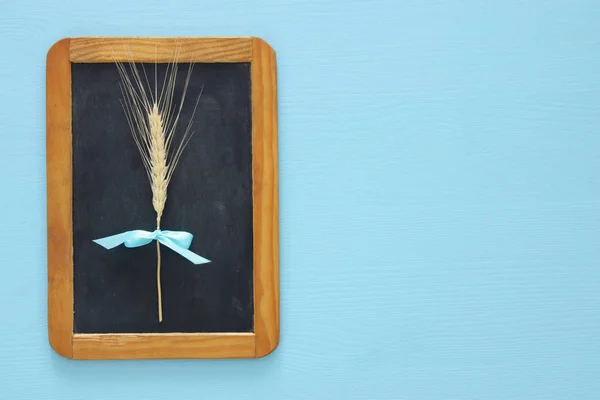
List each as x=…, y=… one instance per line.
x=209, y=196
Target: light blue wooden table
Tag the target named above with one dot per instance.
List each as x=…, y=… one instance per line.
x=440, y=200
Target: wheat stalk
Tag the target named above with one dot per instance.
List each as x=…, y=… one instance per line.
x=153, y=121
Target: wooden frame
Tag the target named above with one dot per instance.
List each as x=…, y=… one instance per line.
x=265, y=337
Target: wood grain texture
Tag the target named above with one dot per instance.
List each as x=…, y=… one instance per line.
x=265, y=192
x=165, y=345
x=101, y=49
x=59, y=204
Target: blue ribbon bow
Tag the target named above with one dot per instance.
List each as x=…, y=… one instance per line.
x=175, y=240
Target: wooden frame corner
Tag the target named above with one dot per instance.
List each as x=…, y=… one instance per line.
x=265, y=337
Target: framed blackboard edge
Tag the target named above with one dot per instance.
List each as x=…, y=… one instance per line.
x=265, y=337
x=59, y=198
x=265, y=192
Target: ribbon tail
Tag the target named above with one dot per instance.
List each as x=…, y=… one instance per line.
x=113, y=241
x=190, y=255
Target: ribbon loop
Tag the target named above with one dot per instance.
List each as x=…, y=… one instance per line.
x=177, y=241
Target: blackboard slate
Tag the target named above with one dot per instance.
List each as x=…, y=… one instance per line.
x=209, y=196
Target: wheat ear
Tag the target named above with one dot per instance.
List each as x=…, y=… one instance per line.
x=153, y=120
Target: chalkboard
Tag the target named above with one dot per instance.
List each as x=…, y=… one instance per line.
x=210, y=196
x=119, y=301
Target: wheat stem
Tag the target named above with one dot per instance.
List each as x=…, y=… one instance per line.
x=160, y=317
